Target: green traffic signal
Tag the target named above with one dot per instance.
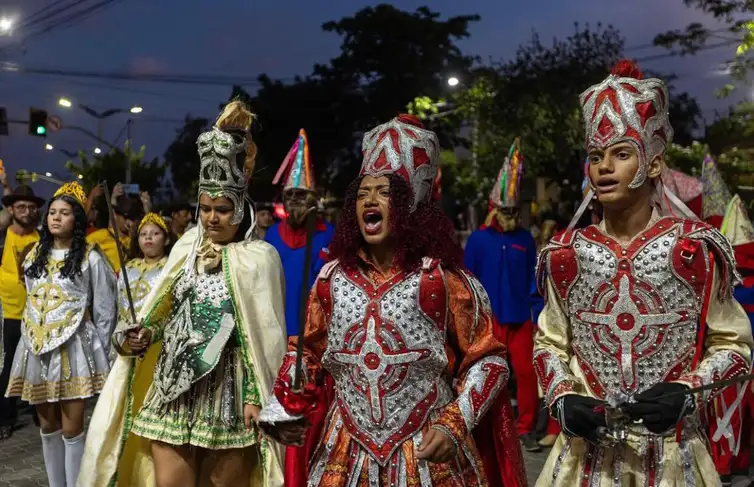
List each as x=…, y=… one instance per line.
x=41, y=130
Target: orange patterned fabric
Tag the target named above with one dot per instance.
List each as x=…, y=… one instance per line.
x=470, y=339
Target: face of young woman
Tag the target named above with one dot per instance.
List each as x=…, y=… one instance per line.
x=152, y=241
x=60, y=219
x=373, y=209
x=216, y=215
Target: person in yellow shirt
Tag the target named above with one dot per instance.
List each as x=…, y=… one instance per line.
x=103, y=235
x=23, y=207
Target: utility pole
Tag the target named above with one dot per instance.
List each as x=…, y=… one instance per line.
x=128, y=150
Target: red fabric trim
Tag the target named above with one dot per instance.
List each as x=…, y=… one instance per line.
x=702, y=331
x=497, y=442
x=295, y=238
x=297, y=457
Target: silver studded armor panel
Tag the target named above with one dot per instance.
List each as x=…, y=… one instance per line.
x=387, y=357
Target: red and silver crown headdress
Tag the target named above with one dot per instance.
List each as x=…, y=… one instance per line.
x=404, y=147
x=626, y=108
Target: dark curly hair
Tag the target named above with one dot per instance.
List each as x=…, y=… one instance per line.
x=427, y=232
x=75, y=256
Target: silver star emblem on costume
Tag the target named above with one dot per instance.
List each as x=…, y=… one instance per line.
x=372, y=360
x=625, y=320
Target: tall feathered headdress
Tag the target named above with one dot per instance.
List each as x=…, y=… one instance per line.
x=297, y=167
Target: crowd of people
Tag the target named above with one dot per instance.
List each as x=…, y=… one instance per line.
x=238, y=350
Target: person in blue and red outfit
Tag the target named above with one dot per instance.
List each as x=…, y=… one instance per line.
x=289, y=236
x=503, y=256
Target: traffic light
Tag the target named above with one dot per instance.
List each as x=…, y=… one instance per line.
x=37, y=122
x=3, y=121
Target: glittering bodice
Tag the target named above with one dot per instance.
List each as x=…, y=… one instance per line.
x=141, y=278
x=386, y=355
x=55, y=306
x=634, y=312
x=202, y=323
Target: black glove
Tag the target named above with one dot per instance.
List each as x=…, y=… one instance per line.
x=581, y=416
x=658, y=411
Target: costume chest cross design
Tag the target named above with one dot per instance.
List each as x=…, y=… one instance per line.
x=386, y=353
x=56, y=307
x=634, y=311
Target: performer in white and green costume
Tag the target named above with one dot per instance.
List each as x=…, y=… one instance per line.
x=212, y=335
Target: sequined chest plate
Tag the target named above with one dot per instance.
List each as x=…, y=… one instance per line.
x=195, y=336
x=386, y=352
x=55, y=307
x=634, y=311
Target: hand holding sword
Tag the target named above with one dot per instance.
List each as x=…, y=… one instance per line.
x=293, y=432
x=138, y=338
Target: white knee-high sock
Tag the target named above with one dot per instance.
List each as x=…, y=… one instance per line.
x=74, y=451
x=53, y=450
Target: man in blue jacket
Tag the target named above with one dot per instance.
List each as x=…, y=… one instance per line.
x=503, y=256
x=289, y=236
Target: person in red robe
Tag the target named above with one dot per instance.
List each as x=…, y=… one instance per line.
x=406, y=335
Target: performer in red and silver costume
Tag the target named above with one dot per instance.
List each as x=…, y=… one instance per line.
x=639, y=309
x=406, y=334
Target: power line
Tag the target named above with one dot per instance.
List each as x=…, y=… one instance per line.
x=141, y=91
x=73, y=18
x=41, y=17
x=41, y=11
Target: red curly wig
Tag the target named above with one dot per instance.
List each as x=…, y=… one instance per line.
x=425, y=232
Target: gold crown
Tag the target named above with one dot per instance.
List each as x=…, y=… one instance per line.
x=154, y=219
x=72, y=190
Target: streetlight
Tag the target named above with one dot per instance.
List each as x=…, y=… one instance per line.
x=6, y=24
x=97, y=150
x=48, y=174
x=65, y=102
x=453, y=81
x=81, y=176
x=49, y=147
x=136, y=109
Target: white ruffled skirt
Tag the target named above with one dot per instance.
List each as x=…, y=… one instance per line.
x=75, y=370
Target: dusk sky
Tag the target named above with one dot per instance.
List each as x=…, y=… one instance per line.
x=282, y=38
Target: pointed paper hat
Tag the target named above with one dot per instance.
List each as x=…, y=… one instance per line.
x=505, y=192
x=716, y=193
x=297, y=167
x=736, y=224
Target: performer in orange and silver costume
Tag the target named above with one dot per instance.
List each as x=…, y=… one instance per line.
x=639, y=309
x=406, y=334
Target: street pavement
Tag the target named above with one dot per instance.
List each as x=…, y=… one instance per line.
x=21, y=462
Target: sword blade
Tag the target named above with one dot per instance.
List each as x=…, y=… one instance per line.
x=121, y=255
x=311, y=217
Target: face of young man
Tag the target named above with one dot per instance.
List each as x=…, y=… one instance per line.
x=611, y=171
x=25, y=213
x=373, y=209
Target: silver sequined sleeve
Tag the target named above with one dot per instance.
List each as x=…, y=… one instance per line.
x=482, y=384
x=103, y=294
